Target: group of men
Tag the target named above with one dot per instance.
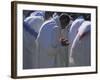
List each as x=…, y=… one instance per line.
x=56, y=41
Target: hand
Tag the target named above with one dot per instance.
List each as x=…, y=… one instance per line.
x=64, y=42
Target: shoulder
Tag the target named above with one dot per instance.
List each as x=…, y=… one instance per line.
x=86, y=26
x=86, y=23
x=34, y=18
x=48, y=24
x=76, y=22
x=27, y=19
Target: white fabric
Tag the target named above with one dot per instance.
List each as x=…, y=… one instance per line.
x=29, y=44
x=29, y=48
x=38, y=13
x=62, y=58
x=74, y=28
x=48, y=45
x=80, y=49
x=34, y=22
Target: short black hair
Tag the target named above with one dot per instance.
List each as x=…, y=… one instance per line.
x=64, y=20
x=48, y=15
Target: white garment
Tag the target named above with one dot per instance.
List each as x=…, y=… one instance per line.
x=80, y=50
x=38, y=13
x=32, y=22
x=48, y=44
x=62, y=57
x=74, y=28
x=65, y=49
x=29, y=48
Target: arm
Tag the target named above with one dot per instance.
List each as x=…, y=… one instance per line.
x=55, y=36
x=71, y=59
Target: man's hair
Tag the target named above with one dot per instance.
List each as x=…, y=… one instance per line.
x=64, y=19
x=48, y=15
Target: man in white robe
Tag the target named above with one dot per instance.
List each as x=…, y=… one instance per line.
x=65, y=49
x=48, y=44
x=35, y=20
x=31, y=27
x=74, y=28
x=80, y=54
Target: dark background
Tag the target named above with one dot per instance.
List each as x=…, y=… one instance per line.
x=49, y=14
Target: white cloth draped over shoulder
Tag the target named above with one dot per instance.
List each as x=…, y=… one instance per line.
x=80, y=54
x=48, y=43
x=65, y=49
x=31, y=27
x=74, y=28
x=35, y=20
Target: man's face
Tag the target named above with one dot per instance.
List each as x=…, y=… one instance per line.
x=63, y=24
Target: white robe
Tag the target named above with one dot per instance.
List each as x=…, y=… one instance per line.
x=29, y=37
x=34, y=22
x=65, y=49
x=80, y=54
x=62, y=57
x=48, y=45
x=74, y=28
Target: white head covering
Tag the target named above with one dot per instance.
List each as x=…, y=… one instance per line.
x=85, y=27
x=56, y=18
x=38, y=13
x=74, y=28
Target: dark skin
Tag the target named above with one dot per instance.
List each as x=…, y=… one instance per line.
x=64, y=42
x=64, y=19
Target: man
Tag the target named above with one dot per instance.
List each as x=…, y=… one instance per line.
x=64, y=38
x=74, y=28
x=35, y=20
x=31, y=27
x=80, y=49
x=48, y=43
